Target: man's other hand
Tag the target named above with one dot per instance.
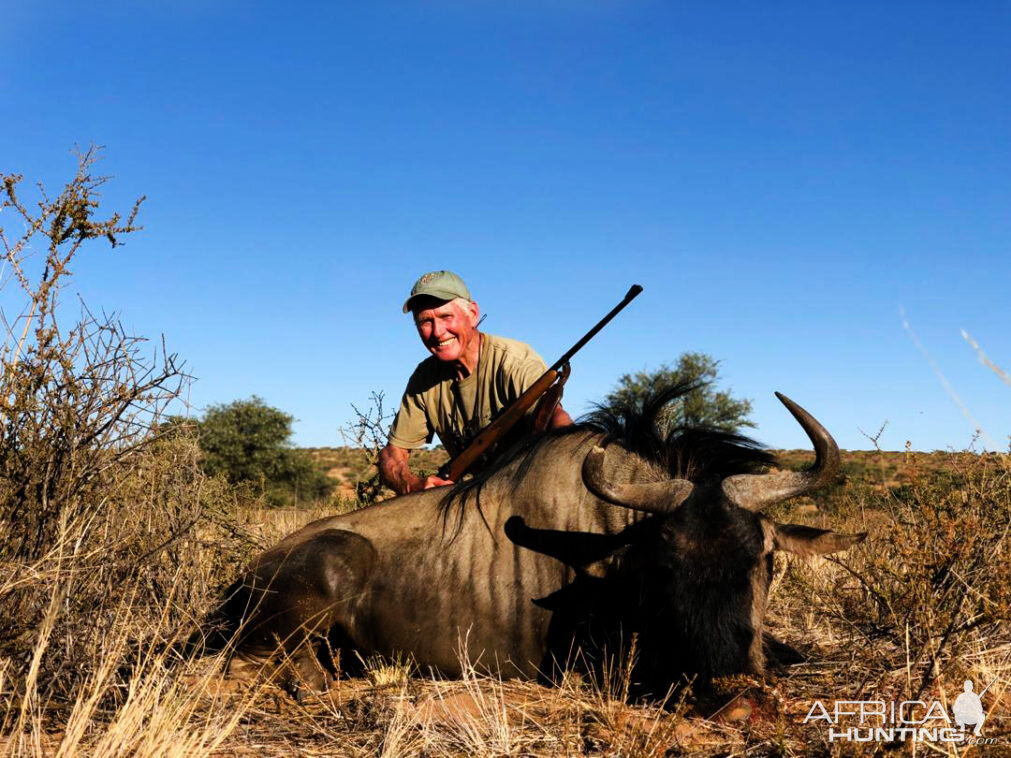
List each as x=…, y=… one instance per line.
x=435, y=481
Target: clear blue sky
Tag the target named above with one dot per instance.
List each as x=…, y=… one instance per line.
x=782, y=177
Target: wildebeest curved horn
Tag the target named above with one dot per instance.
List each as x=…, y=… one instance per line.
x=652, y=497
x=754, y=491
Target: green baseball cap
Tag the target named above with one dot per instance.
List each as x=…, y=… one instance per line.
x=443, y=285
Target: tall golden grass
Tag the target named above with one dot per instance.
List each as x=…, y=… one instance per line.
x=922, y=606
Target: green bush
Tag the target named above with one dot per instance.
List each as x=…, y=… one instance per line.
x=248, y=442
x=702, y=406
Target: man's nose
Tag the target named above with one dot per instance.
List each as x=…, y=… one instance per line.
x=438, y=330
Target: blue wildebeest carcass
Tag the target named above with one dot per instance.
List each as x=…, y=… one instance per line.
x=579, y=539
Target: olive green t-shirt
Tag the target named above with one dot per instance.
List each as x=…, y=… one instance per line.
x=436, y=403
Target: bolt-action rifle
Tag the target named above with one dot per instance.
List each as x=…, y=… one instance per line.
x=548, y=387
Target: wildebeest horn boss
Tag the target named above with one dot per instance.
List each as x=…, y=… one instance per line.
x=577, y=540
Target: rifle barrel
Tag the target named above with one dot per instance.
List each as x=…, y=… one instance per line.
x=632, y=293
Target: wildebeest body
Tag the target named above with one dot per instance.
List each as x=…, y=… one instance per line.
x=399, y=577
x=564, y=548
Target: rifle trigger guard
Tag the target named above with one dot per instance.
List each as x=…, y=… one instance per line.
x=563, y=374
x=550, y=399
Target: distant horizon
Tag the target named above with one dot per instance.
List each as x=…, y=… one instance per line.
x=772, y=449
x=435, y=446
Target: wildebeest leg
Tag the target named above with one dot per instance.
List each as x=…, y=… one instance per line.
x=291, y=598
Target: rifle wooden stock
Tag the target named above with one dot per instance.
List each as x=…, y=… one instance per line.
x=497, y=429
x=492, y=433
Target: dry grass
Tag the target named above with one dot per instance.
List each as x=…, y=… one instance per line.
x=923, y=605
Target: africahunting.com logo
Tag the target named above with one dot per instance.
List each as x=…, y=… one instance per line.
x=909, y=720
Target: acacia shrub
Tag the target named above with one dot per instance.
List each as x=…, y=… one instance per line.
x=248, y=442
x=98, y=510
x=702, y=406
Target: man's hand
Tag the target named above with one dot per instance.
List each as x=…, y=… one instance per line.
x=435, y=481
x=397, y=475
x=559, y=418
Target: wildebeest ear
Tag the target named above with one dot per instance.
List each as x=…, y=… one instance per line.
x=807, y=540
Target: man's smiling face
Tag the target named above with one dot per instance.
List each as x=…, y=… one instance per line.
x=448, y=329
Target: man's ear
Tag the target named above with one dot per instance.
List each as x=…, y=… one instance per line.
x=473, y=313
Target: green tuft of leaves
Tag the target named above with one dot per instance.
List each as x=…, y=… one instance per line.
x=703, y=406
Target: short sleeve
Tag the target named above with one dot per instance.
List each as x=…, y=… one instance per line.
x=411, y=428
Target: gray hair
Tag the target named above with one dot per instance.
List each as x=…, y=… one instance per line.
x=460, y=302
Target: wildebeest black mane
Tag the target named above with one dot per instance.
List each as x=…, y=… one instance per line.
x=697, y=453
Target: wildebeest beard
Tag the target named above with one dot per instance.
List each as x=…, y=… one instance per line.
x=704, y=590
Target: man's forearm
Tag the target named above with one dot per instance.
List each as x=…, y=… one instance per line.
x=397, y=475
x=395, y=471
